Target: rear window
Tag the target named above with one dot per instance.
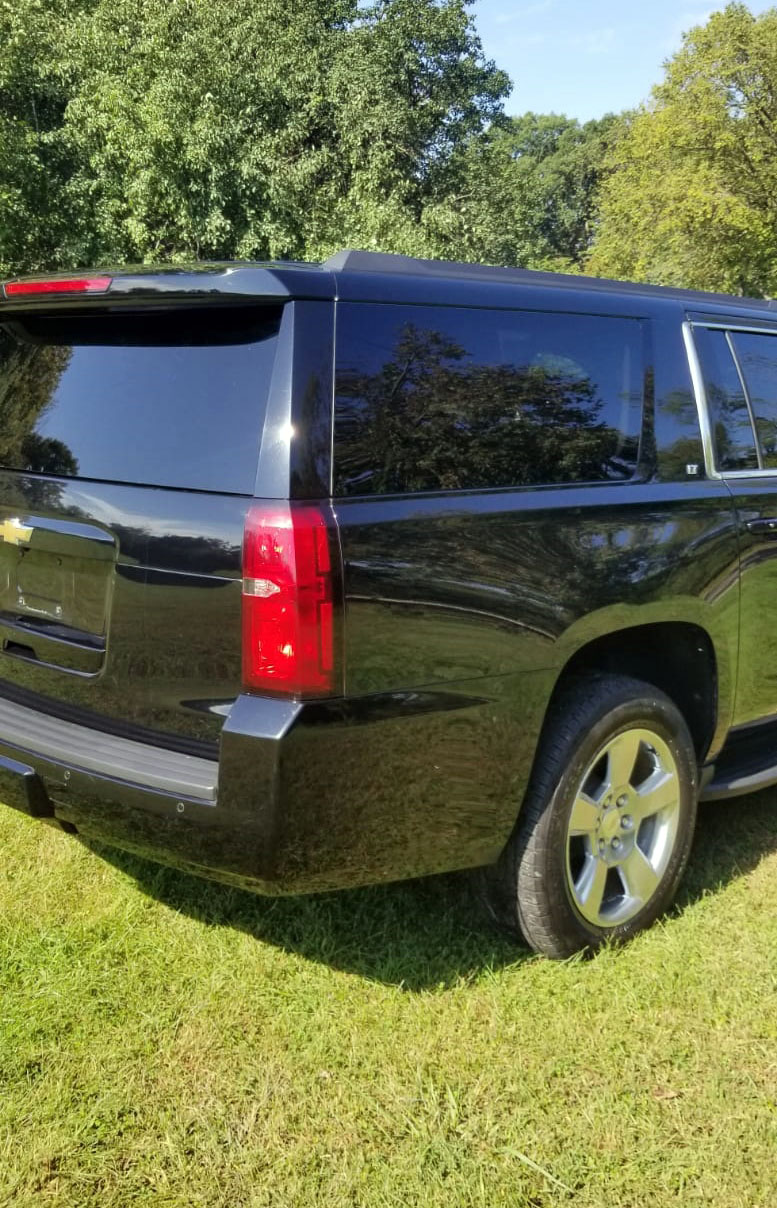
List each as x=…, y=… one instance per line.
x=172, y=399
x=431, y=398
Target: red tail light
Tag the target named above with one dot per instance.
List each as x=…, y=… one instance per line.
x=73, y=285
x=288, y=600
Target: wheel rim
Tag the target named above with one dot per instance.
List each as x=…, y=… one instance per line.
x=622, y=827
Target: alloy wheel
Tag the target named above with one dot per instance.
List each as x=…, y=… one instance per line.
x=622, y=827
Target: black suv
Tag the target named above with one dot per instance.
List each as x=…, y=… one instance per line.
x=315, y=576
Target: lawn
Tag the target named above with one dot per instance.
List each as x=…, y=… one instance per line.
x=168, y=1042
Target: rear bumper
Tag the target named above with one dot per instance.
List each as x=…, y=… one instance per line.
x=67, y=745
x=303, y=796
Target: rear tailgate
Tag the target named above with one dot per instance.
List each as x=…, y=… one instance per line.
x=129, y=446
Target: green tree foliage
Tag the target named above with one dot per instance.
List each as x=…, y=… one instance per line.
x=526, y=193
x=133, y=130
x=692, y=198
x=34, y=160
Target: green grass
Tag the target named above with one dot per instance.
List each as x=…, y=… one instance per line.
x=168, y=1042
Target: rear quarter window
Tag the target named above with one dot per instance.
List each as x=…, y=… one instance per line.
x=729, y=415
x=757, y=356
x=173, y=399
x=433, y=398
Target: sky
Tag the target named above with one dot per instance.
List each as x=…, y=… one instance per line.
x=586, y=58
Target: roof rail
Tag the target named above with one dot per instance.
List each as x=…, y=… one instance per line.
x=352, y=260
x=355, y=261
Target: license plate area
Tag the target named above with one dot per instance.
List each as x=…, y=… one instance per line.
x=56, y=577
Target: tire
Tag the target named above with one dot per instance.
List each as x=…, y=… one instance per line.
x=598, y=851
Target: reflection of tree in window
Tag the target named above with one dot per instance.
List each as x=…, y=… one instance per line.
x=726, y=403
x=758, y=357
x=29, y=375
x=732, y=429
x=47, y=455
x=431, y=420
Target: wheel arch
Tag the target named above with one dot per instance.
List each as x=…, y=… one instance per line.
x=678, y=657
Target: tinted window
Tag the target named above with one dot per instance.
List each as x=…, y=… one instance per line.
x=432, y=398
x=168, y=399
x=729, y=417
x=757, y=357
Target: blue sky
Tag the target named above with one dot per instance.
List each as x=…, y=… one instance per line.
x=586, y=57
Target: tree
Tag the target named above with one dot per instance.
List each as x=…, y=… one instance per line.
x=692, y=196
x=139, y=131
x=34, y=160
x=525, y=193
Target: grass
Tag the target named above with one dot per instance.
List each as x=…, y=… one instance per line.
x=168, y=1042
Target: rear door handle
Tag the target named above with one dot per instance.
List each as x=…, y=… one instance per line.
x=763, y=528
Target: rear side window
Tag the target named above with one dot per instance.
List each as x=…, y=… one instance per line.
x=171, y=399
x=732, y=430
x=757, y=356
x=432, y=398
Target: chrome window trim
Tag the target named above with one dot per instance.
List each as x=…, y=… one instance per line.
x=747, y=474
x=755, y=331
x=700, y=393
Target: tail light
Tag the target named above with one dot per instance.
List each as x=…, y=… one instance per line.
x=57, y=285
x=291, y=575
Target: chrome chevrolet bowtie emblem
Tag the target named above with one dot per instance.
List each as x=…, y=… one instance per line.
x=13, y=532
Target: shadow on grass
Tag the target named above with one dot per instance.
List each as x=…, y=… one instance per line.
x=430, y=933
x=420, y=935
x=732, y=838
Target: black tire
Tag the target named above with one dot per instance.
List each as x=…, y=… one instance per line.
x=532, y=888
